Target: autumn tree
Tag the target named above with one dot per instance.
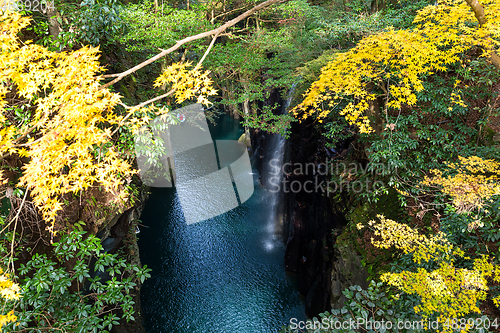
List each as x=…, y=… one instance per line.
x=419, y=100
x=446, y=292
x=67, y=139
x=58, y=141
x=391, y=66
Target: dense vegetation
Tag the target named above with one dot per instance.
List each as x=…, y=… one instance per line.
x=412, y=85
x=421, y=101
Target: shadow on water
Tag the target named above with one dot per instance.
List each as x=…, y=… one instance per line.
x=225, y=274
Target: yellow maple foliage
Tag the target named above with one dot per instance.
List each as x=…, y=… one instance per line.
x=393, y=63
x=407, y=239
x=8, y=318
x=447, y=292
x=187, y=83
x=68, y=140
x=470, y=182
x=8, y=291
x=70, y=110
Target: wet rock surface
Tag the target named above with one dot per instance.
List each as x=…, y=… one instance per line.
x=310, y=217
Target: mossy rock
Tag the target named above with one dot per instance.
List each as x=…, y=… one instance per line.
x=245, y=140
x=389, y=206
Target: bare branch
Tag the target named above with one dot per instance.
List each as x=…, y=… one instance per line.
x=226, y=13
x=140, y=106
x=16, y=218
x=177, y=45
x=166, y=94
x=198, y=65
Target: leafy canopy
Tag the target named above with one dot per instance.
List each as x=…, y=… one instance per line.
x=444, y=289
x=67, y=139
x=393, y=64
x=472, y=182
x=77, y=289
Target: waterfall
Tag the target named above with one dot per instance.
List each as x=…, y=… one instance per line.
x=275, y=151
x=228, y=272
x=272, y=178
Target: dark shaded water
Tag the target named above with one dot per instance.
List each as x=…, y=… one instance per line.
x=225, y=274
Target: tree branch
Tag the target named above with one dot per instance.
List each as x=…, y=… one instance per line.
x=157, y=98
x=198, y=65
x=226, y=13
x=478, y=10
x=177, y=45
x=495, y=59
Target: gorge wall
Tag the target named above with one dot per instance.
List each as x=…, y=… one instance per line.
x=308, y=216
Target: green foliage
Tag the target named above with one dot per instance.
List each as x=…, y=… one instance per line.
x=373, y=259
x=150, y=147
x=260, y=54
x=248, y=67
x=310, y=71
x=91, y=22
x=79, y=288
x=446, y=290
x=363, y=306
x=97, y=22
x=473, y=230
x=444, y=121
x=436, y=118
x=435, y=131
x=268, y=121
x=148, y=31
x=400, y=14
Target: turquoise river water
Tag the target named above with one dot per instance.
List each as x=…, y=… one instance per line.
x=222, y=275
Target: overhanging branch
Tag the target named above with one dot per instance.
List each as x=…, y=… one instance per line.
x=177, y=45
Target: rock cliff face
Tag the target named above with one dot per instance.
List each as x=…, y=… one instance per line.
x=308, y=215
x=310, y=218
x=347, y=270
x=117, y=232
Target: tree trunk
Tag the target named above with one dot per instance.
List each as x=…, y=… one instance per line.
x=478, y=10
x=377, y=5
x=495, y=60
x=374, y=112
x=54, y=25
